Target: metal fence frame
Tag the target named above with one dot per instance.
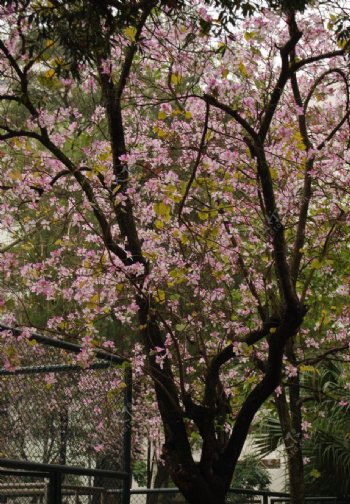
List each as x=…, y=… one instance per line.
x=54, y=472
x=265, y=496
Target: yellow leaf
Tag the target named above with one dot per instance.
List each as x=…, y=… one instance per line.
x=130, y=33
x=93, y=301
x=162, y=210
x=316, y=264
x=225, y=73
x=100, y=169
x=49, y=73
x=308, y=369
x=15, y=175
x=184, y=239
x=242, y=69
x=250, y=35
x=226, y=259
x=208, y=136
x=176, y=79
x=160, y=132
x=161, y=115
x=59, y=61
x=160, y=296
x=188, y=115
x=273, y=173
x=105, y=155
x=315, y=473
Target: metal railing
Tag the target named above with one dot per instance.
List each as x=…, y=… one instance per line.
x=234, y=495
x=54, y=489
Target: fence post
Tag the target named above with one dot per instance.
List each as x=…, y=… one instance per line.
x=54, y=493
x=127, y=434
x=265, y=499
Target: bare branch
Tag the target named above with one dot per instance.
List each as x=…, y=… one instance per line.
x=197, y=161
x=282, y=79
x=334, y=131
x=300, y=64
x=232, y=112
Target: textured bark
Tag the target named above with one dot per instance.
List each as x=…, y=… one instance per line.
x=292, y=441
x=296, y=477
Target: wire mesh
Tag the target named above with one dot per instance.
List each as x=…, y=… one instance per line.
x=54, y=410
x=158, y=496
x=173, y=496
x=243, y=499
x=22, y=489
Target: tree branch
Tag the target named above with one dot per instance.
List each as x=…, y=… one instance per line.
x=307, y=187
x=334, y=131
x=228, y=353
x=201, y=149
x=232, y=112
x=296, y=66
x=307, y=190
x=282, y=79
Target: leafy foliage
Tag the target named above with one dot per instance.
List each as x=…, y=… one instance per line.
x=327, y=445
x=251, y=474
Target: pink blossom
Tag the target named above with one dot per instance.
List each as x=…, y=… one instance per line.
x=291, y=371
x=278, y=391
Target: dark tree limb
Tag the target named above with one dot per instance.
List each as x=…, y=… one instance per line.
x=201, y=149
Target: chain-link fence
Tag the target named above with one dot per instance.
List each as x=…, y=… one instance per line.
x=22, y=488
x=173, y=496
x=46, y=484
x=60, y=406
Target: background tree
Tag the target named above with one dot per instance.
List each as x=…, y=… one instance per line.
x=324, y=431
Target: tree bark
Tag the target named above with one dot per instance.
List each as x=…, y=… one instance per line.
x=292, y=442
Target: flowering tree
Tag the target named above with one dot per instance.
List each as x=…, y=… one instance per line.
x=197, y=182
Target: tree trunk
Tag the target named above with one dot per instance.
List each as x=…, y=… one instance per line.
x=296, y=464
x=292, y=442
x=296, y=475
